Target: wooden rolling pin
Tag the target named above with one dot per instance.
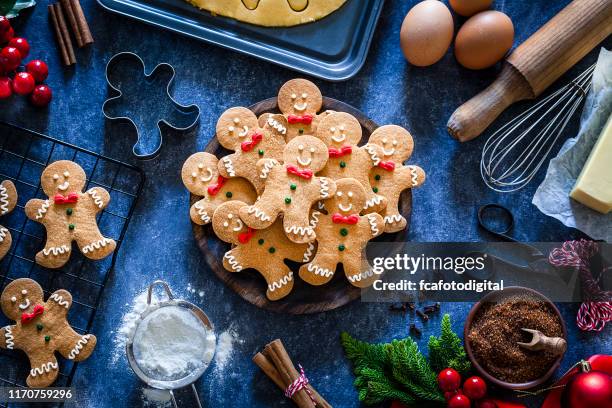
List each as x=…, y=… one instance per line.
x=536, y=64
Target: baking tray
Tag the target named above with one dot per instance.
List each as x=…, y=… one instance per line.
x=334, y=48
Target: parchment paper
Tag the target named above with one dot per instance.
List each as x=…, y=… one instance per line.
x=552, y=197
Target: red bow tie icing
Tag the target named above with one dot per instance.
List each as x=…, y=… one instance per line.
x=245, y=237
x=250, y=144
x=213, y=189
x=343, y=151
x=348, y=219
x=303, y=119
x=72, y=198
x=307, y=174
x=28, y=317
x=387, y=165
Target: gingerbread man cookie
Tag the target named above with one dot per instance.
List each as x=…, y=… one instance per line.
x=263, y=250
x=239, y=131
x=8, y=200
x=41, y=329
x=200, y=175
x=342, y=236
x=69, y=214
x=341, y=132
x=299, y=100
x=391, y=177
x=291, y=189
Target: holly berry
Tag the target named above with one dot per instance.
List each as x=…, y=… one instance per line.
x=475, y=388
x=449, y=380
x=38, y=69
x=23, y=83
x=41, y=96
x=10, y=58
x=6, y=36
x=22, y=45
x=5, y=88
x=487, y=403
x=459, y=401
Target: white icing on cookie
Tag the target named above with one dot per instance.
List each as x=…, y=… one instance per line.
x=45, y=368
x=4, y=200
x=299, y=230
x=64, y=186
x=314, y=218
x=267, y=168
x=43, y=209
x=9, y=338
x=392, y=219
x=259, y=213
x=3, y=234
x=309, y=252
x=229, y=166
x=320, y=271
x=231, y=260
x=373, y=226
x=373, y=201
x=202, y=212
x=96, y=197
x=373, y=156
x=276, y=125
x=324, y=187
x=414, y=175
x=96, y=245
x=281, y=282
x=79, y=346
x=55, y=251
x=60, y=300
x=361, y=276
x=345, y=208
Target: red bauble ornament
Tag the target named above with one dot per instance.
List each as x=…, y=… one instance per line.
x=6, y=36
x=10, y=58
x=23, y=83
x=449, y=380
x=38, y=69
x=5, y=88
x=5, y=24
x=590, y=389
x=22, y=45
x=41, y=96
x=459, y=401
x=475, y=388
x=487, y=403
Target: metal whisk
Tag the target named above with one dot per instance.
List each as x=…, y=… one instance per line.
x=513, y=154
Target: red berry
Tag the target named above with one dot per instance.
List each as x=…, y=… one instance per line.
x=459, y=401
x=38, y=69
x=22, y=45
x=6, y=36
x=23, y=83
x=5, y=87
x=449, y=380
x=41, y=96
x=5, y=24
x=10, y=58
x=487, y=403
x=475, y=388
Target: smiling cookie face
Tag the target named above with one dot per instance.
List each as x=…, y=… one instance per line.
x=396, y=142
x=299, y=97
x=199, y=171
x=350, y=197
x=339, y=129
x=227, y=223
x=306, y=152
x=235, y=126
x=20, y=296
x=63, y=177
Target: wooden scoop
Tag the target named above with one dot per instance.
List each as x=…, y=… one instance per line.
x=554, y=345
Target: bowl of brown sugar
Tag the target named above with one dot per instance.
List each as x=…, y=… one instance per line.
x=493, y=330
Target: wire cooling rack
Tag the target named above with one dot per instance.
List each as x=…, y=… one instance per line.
x=23, y=156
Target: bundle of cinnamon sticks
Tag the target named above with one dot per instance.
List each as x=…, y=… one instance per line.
x=69, y=10
x=275, y=362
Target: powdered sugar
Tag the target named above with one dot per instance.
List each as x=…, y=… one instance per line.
x=225, y=347
x=129, y=322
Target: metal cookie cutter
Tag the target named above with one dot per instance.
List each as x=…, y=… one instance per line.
x=145, y=100
x=165, y=384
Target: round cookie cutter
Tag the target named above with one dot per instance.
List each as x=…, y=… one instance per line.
x=169, y=385
x=191, y=113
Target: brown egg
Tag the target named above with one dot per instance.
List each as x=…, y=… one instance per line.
x=484, y=39
x=468, y=8
x=427, y=32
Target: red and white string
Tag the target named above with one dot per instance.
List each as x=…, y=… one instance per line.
x=300, y=383
x=596, y=310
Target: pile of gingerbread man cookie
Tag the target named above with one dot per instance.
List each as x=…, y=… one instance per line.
x=297, y=186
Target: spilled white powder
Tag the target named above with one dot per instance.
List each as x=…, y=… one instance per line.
x=171, y=342
x=129, y=322
x=225, y=347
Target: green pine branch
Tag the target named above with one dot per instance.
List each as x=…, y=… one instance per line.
x=447, y=350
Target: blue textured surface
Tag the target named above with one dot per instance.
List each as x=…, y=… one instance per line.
x=159, y=242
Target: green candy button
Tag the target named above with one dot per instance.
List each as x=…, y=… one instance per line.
x=377, y=177
x=342, y=164
x=375, y=189
x=293, y=187
x=261, y=241
x=71, y=227
x=260, y=152
x=288, y=200
x=341, y=247
x=272, y=250
x=69, y=211
x=344, y=232
x=229, y=194
x=39, y=327
x=47, y=338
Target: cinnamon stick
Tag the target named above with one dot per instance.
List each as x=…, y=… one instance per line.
x=67, y=8
x=83, y=26
x=268, y=368
x=61, y=32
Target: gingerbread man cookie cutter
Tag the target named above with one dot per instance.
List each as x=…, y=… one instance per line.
x=129, y=81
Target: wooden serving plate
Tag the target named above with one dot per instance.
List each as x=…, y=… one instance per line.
x=304, y=298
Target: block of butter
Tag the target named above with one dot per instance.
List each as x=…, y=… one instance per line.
x=594, y=185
